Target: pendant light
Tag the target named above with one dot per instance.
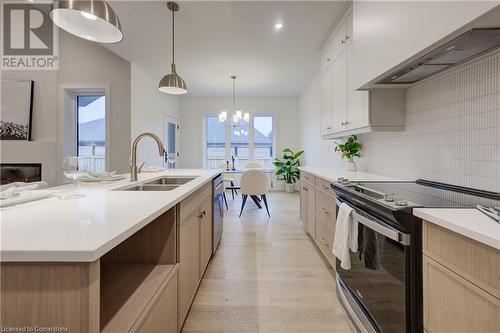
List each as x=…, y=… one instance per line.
x=92, y=20
x=172, y=83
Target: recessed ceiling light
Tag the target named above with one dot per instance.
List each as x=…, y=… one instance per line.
x=278, y=26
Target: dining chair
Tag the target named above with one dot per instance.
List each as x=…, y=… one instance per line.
x=253, y=165
x=253, y=183
x=228, y=179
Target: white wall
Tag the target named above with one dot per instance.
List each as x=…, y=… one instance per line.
x=317, y=151
x=81, y=62
x=149, y=108
x=193, y=109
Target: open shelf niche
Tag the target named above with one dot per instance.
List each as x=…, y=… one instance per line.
x=133, y=273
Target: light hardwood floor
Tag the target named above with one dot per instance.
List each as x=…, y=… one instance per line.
x=267, y=276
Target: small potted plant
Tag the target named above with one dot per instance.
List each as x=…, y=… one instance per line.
x=288, y=168
x=348, y=150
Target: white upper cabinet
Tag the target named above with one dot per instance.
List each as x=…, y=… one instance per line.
x=389, y=33
x=344, y=110
x=326, y=101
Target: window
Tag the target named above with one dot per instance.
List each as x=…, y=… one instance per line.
x=263, y=139
x=91, y=133
x=240, y=146
x=215, y=142
x=253, y=141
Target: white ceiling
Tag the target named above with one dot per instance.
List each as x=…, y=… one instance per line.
x=217, y=39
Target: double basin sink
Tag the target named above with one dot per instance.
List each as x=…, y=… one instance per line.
x=161, y=184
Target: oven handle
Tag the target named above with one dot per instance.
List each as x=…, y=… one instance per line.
x=378, y=226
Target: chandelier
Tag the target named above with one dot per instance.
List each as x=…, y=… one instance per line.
x=238, y=120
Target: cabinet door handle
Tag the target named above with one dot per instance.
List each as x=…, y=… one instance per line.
x=324, y=210
x=328, y=59
x=305, y=188
x=347, y=37
x=342, y=41
x=325, y=187
x=201, y=214
x=328, y=128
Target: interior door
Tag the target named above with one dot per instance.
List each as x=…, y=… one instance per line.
x=171, y=141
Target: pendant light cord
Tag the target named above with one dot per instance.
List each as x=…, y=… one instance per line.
x=173, y=37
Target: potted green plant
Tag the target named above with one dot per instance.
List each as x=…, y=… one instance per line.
x=348, y=150
x=287, y=169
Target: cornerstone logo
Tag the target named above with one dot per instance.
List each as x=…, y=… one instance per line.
x=30, y=39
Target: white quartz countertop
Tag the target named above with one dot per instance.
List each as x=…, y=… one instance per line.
x=331, y=174
x=470, y=223
x=86, y=228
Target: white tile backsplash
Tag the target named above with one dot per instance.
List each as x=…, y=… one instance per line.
x=452, y=131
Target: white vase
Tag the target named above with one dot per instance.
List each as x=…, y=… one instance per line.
x=289, y=188
x=350, y=165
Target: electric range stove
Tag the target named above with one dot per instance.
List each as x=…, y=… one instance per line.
x=382, y=292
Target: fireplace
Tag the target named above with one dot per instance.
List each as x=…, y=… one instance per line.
x=20, y=172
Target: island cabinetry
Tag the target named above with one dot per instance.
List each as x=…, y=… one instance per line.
x=123, y=291
x=59, y=295
x=195, y=246
x=461, y=283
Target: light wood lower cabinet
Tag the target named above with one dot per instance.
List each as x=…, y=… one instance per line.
x=318, y=212
x=189, y=262
x=460, y=281
x=205, y=235
x=195, y=247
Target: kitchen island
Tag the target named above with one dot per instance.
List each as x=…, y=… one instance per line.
x=113, y=261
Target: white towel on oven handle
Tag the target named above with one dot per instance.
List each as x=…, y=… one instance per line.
x=346, y=236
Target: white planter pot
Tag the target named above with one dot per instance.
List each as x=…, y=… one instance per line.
x=350, y=165
x=289, y=188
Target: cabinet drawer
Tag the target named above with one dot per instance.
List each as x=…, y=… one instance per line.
x=453, y=304
x=306, y=177
x=324, y=239
x=191, y=203
x=324, y=185
x=162, y=316
x=476, y=262
x=325, y=209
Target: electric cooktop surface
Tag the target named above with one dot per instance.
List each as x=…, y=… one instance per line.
x=420, y=194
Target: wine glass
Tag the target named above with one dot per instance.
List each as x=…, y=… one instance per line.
x=74, y=168
x=171, y=158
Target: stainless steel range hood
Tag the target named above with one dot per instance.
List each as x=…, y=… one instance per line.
x=466, y=46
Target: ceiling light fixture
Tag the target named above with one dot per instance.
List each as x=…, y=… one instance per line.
x=93, y=20
x=172, y=83
x=237, y=117
x=278, y=26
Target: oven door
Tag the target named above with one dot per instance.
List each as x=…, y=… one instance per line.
x=374, y=291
